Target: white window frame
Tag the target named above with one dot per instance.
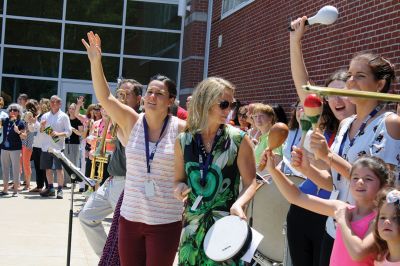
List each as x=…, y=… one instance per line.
x=233, y=10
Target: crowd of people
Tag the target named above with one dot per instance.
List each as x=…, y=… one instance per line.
x=168, y=179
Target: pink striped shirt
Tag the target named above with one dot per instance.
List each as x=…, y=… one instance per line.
x=162, y=208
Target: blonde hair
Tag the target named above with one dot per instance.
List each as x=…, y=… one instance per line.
x=265, y=109
x=1, y=102
x=205, y=95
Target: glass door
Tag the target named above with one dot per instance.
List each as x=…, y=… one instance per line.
x=70, y=91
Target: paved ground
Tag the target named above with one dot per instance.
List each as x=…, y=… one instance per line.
x=34, y=231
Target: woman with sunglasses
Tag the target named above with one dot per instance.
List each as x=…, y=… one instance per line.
x=11, y=147
x=210, y=158
x=242, y=117
x=150, y=221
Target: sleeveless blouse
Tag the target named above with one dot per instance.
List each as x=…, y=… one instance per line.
x=374, y=142
x=219, y=193
x=162, y=208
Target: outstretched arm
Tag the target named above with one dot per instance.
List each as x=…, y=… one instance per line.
x=123, y=115
x=299, y=71
x=290, y=191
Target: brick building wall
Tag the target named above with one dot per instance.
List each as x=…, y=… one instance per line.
x=193, y=47
x=255, y=43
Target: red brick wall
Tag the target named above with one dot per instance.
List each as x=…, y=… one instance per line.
x=193, y=48
x=255, y=49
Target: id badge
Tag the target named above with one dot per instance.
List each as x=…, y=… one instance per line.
x=196, y=203
x=7, y=144
x=149, y=189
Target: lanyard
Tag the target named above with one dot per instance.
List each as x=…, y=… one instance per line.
x=204, y=158
x=359, y=132
x=150, y=156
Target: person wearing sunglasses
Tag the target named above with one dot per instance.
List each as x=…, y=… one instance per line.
x=11, y=147
x=210, y=158
x=150, y=217
x=242, y=117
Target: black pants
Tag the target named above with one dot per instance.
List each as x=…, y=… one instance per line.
x=41, y=179
x=326, y=249
x=304, y=231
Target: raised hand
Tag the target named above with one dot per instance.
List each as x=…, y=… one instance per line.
x=299, y=29
x=93, y=48
x=319, y=145
x=80, y=100
x=299, y=160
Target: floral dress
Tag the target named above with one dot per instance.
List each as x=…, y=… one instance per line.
x=219, y=193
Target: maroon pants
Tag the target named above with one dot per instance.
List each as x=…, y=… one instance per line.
x=140, y=244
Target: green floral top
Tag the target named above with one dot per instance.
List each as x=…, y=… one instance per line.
x=219, y=193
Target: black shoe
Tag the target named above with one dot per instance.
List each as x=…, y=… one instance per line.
x=60, y=194
x=81, y=190
x=48, y=192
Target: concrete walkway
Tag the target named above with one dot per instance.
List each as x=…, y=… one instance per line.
x=34, y=231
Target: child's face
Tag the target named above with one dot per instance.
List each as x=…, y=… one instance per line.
x=388, y=223
x=364, y=184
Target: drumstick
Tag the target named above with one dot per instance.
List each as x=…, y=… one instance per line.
x=325, y=91
x=276, y=137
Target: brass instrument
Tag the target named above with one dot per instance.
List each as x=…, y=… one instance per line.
x=322, y=91
x=100, y=156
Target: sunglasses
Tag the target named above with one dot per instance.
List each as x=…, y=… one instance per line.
x=244, y=116
x=225, y=104
x=14, y=110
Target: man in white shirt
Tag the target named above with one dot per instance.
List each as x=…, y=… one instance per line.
x=56, y=126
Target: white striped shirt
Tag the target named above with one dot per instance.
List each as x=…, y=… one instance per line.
x=162, y=208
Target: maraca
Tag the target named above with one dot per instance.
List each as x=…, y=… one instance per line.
x=313, y=109
x=276, y=137
x=326, y=16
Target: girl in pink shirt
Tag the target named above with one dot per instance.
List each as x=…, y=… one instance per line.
x=354, y=243
x=387, y=228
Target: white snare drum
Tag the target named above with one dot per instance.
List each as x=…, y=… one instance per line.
x=269, y=212
x=229, y=237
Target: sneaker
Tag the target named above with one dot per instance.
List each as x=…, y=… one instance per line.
x=60, y=194
x=36, y=189
x=48, y=192
x=15, y=194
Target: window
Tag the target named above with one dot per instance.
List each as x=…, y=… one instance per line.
x=142, y=70
x=153, y=15
x=76, y=66
x=35, y=88
x=230, y=6
x=25, y=32
x=111, y=38
x=105, y=11
x=150, y=43
x=42, y=9
x=30, y=62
